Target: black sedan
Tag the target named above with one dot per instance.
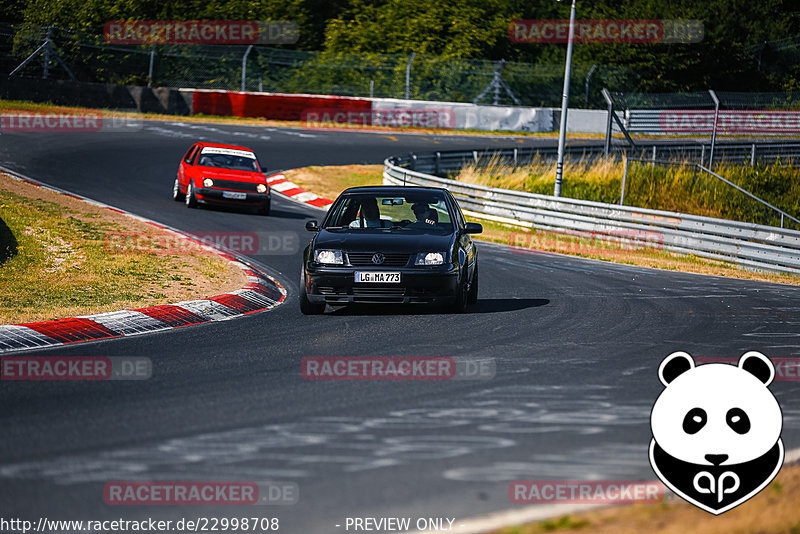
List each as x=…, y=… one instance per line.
x=388, y=244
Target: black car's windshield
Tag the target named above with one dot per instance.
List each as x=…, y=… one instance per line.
x=423, y=212
x=224, y=158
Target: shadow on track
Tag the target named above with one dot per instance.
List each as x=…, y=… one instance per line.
x=275, y=212
x=482, y=306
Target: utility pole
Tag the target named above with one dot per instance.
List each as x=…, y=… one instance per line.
x=562, y=131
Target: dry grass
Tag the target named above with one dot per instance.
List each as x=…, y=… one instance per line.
x=772, y=511
x=329, y=182
x=673, y=188
x=56, y=261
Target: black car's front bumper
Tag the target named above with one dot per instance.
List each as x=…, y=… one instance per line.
x=337, y=285
x=207, y=195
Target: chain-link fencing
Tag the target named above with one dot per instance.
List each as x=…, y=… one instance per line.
x=284, y=70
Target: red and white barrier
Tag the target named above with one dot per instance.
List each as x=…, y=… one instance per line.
x=321, y=111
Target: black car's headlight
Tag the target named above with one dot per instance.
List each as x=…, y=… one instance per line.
x=430, y=258
x=329, y=257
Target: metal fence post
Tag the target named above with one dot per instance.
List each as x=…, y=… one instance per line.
x=47, y=42
x=653, y=163
x=150, y=68
x=408, y=75
x=702, y=154
x=753, y=156
x=244, y=65
x=624, y=177
x=588, y=77
x=714, y=129
x=607, y=96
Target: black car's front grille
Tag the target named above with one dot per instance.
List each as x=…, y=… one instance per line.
x=326, y=290
x=387, y=291
x=363, y=259
x=234, y=185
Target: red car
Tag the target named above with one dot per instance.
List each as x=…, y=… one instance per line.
x=223, y=175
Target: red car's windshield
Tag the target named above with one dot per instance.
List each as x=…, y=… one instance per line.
x=228, y=161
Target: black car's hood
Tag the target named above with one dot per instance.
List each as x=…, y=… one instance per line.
x=405, y=241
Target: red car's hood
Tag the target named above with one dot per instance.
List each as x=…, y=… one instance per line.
x=231, y=174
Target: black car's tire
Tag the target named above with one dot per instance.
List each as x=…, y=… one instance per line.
x=191, y=200
x=462, y=295
x=177, y=196
x=264, y=209
x=306, y=306
x=473, y=287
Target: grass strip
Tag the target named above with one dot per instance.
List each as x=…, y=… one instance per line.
x=61, y=257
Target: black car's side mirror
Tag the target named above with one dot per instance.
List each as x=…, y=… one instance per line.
x=473, y=228
x=312, y=226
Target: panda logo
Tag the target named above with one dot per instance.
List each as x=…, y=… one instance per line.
x=716, y=430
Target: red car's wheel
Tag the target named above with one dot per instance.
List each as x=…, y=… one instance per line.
x=191, y=200
x=177, y=196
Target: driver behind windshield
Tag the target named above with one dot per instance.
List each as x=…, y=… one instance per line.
x=426, y=217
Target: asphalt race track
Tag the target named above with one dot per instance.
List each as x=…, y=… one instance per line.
x=576, y=345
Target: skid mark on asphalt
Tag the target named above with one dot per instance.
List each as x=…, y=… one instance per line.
x=172, y=133
x=225, y=133
x=229, y=132
x=490, y=419
x=612, y=460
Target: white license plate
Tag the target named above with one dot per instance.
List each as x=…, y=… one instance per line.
x=381, y=278
x=234, y=195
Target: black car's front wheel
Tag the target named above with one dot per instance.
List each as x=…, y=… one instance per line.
x=306, y=306
x=462, y=295
x=472, y=298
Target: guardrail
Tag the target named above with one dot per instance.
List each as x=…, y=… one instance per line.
x=782, y=153
x=752, y=246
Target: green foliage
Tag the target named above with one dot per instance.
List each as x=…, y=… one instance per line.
x=731, y=56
